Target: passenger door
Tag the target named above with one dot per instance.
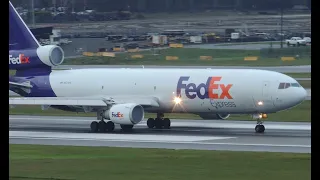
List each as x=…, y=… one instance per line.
x=265, y=97
x=266, y=94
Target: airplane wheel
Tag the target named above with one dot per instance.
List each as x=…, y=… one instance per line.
x=102, y=126
x=94, y=126
x=126, y=128
x=109, y=126
x=150, y=123
x=260, y=128
x=166, y=123
x=158, y=123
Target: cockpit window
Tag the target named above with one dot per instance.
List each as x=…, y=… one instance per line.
x=281, y=85
x=295, y=84
x=287, y=85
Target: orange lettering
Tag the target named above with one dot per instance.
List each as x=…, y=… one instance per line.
x=213, y=86
x=225, y=91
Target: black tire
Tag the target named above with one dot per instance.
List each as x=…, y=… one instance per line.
x=166, y=123
x=150, y=123
x=158, y=123
x=109, y=126
x=102, y=126
x=94, y=126
x=260, y=128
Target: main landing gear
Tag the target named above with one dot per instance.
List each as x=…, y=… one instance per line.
x=159, y=122
x=259, y=127
x=106, y=126
x=102, y=126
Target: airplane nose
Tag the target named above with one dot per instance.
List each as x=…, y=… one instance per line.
x=304, y=94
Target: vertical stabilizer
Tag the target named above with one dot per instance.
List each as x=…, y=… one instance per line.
x=20, y=36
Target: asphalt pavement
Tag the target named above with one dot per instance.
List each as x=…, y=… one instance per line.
x=184, y=134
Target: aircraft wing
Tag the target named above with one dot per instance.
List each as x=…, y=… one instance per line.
x=20, y=85
x=83, y=101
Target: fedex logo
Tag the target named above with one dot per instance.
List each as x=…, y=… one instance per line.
x=21, y=59
x=192, y=90
x=118, y=114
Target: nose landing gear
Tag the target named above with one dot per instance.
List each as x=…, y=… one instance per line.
x=259, y=127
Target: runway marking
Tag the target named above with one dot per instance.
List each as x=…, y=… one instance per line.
x=137, y=138
x=212, y=124
x=170, y=142
x=113, y=137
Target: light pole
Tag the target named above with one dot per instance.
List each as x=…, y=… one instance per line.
x=281, y=25
x=32, y=13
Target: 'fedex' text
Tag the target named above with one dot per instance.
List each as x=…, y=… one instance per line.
x=21, y=59
x=192, y=90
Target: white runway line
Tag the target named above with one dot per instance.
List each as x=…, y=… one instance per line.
x=143, y=139
x=111, y=137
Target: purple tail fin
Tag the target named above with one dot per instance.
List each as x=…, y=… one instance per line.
x=20, y=36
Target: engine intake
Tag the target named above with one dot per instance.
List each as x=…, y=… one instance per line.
x=51, y=55
x=126, y=114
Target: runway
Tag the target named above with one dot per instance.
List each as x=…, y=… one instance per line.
x=184, y=134
x=282, y=69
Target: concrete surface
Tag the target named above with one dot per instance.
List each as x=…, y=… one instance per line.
x=184, y=134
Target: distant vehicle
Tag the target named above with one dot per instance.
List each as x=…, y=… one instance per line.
x=307, y=39
x=296, y=41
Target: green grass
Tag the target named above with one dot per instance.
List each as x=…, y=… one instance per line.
x=299, y=75
x=241, y=43
x=101, y=163
x=300, y=113
x=305, y=84
x=189, y=56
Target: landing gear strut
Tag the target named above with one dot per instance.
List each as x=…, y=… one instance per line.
x=259, y=127
x=159, y=122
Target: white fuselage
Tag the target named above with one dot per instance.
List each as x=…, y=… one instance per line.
x=240, y=90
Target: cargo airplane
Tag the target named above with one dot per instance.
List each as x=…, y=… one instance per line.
x=122, y=96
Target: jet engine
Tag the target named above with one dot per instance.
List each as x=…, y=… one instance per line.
x=214, y=116
x=51, y=55
x=125, y=114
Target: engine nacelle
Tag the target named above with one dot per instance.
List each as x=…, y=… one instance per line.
x=51, y=55
x=126, y=114
x=214, y=116
x=43, y=56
